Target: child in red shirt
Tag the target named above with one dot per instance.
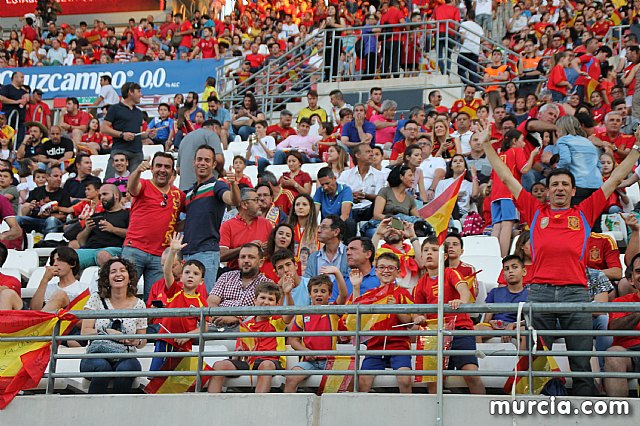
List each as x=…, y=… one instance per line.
x=387, y=271
x=456, y=292
x=239, y=164
x=320, y=290
x=180, y=294
x=267, y=294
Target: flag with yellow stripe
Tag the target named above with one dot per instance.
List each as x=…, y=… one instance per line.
x=592, y=86
x=76, y=304
x=438, y=212
x=334, y=383
x=23, y=363
x=376, y=296
x=177, y=384
x=430, y=343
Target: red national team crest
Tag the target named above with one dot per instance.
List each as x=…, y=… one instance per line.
x=594, y=254
x=573, y=223
x=544, y=222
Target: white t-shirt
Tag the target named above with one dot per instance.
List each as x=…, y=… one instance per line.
x=290, y=30
x=471, y=33
x=258, y=151
x=464, y=196
x=34, y=57
x=429, y=167
x=483, y=7
x=109, y=96
x=465, y=139
x=72, y=290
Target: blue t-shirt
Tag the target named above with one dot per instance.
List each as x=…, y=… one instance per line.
x=223, y=115
x=300, y=294
x=503, y=295
x=349, y=130
x=333, y=205
x=164, y=126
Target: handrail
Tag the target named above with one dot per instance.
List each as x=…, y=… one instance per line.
x=614, y=35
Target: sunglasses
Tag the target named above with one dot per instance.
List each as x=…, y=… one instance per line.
x=165, y=200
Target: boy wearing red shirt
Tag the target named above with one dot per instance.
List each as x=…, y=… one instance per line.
x=320, y=290
x=267, y=294
x=180, y=294
x=456, y=293
x=387, y=270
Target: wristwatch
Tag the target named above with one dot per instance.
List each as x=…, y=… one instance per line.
x=636, y=147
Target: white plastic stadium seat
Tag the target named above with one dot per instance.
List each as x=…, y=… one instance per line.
x=26, y=261
x=313, y=168
x=238, y=148
x=278, y=169
x=34, y=282
x=148, y=151
x=481, y=245
x=633, y=192
x=252, y=173
x=490, y=267
x=90, y=276
x=100, y=162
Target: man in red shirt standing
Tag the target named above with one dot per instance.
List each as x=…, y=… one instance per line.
x=559, y=234
x=446, y=11
x=618, y=387
x=392, y=49
x=185, y=29
x=74, y=122
x=140, y=40
x=590, y=64
x=155, y=198
x=207, y=45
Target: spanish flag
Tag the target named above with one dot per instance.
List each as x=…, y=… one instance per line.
x=438, y=212
x=337, y=384
x=616, y=18
x=22, y=364
x=177, y=384
x=592, y=86
x=539, y=363
x=375, y=296
x=430, y=343
x=76, y=304
x=472, y=282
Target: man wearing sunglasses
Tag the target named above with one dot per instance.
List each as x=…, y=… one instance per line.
x=155, y=208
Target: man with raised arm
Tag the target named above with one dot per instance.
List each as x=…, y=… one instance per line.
x=559, y=234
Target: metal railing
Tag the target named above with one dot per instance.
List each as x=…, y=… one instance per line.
x=613, y=38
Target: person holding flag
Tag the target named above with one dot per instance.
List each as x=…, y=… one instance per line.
x=387, y=270
x=559, y=234
x=456, y=293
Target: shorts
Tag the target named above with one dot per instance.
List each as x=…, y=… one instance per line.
x=503, y=210
x=382, y=362
x=244, y=365
x=462, y=343
x=318, y=364
x=635, y=361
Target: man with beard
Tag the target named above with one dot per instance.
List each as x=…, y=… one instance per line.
x=205, y=205
x=237, y=288
x=57, y=149
x=154, y=213
x=103, y=235
x=394, y=243
x=192, y=143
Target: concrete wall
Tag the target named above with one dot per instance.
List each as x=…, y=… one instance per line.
x=281, y=410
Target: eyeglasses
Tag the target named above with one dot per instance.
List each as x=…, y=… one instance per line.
x=325, y=227
x=389, y=268
x=165, y=200
x=251, y=199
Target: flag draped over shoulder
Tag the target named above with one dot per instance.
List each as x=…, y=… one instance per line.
x=438, y=212
x=539, y=363
x=336, y=384
x=430, y=343
x=376, y=296
x=23, y=363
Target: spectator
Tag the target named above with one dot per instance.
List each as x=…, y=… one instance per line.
x=387, y=270
x=455, y=249
x=312, y=108
x=612, y=140
x=283, y=129
x=103, y=235
x=604, y=255
x=223, y=116
x=284, y=263
x=53, y=294
x=261, y=151
x=156, y=198
x=337, y=104
x=40, y=213
x=246, y=116
x=266, y=294
x=471, y=33
x=188, y=148
x=283, y=198
x=268, y=209
x=359, y=130
x=303, y=218
x=238, y=288
x=463, y=132
x=280, y=238
x=185, y=32
x=469, y=189
x=92, y=142
x=14, y=97
x=385, y=124
x=374, y=103
x=416, y=114
x=247, y=226
x=205, y=205
x=38, y=110
x=8, y=190
x=331, y=197
x=10, y=287
x=108, y=95
x=123, y=123
x=56, y=150
x=75, y=186
x=297, y=181
x=121, y=177
x=393, y=241
x=513, y=270
x=563, y=251
x=360, y=256
x=163, y=125
x=456, y=293
x=305, y=143
x=74, y=121
x=117, y=288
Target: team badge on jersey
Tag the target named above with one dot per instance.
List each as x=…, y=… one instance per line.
x=573, y=223
x=544, y=222
x=594, y=254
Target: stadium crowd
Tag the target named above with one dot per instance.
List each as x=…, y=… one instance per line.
x=544, y=162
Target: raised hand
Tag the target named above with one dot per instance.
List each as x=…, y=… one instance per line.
x=144, y=166
x=330, y=270
x=176, y=242
x=356, y=278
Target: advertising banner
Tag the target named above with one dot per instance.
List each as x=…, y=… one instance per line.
x=155, y=78
x=17, y=8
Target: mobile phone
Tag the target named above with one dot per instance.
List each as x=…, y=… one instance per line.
x=396, y=224
x=97, y=218
x=157, y=304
